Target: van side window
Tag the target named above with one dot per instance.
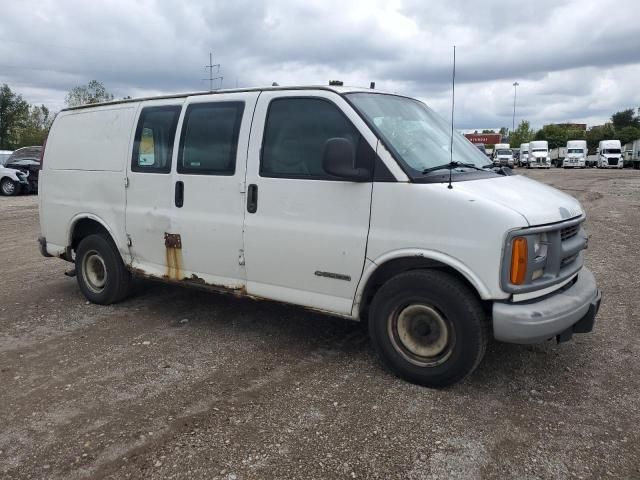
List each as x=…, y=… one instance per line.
x=295, y=134
x=153, y=143
x=209, y=139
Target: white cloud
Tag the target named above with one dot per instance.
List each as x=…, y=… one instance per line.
x=575, y=60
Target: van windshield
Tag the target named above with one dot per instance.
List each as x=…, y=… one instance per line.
x=539, y=150
x=503, y=151
x=575, y=150
x=610, y=151
x=420, y=138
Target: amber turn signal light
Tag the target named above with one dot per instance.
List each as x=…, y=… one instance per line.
x=518, y=260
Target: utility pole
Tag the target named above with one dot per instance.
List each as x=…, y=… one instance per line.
x=211, y=77
x=515, y=88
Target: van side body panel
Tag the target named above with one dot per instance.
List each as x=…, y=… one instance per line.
x=83, y=173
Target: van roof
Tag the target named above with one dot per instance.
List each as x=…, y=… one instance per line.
x=331, y=88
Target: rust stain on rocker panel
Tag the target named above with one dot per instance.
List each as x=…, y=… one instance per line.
x=173, y=252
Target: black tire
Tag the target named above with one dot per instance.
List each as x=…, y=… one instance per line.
x=436, y=299
x=9, y=188
x=102, y=276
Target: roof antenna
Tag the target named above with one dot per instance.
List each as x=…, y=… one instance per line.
x=453, y=104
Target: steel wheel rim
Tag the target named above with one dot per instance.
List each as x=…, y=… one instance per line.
x=8, y=187
x=421, y=334
x=94, y=271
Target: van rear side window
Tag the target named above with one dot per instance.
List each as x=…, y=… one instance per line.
x=153, y=144
x=209, y=140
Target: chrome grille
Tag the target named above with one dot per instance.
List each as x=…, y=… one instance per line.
x=568, y=232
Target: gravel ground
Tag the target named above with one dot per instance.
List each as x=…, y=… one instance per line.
x=179, y=383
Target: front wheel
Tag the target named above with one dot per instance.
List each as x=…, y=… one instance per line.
x=428, y=327
x=8, y=187
x=102, y=276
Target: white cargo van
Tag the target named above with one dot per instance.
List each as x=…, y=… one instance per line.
x=539, y=154
x=503, y=155
x=609, y=154
x=524, y=154
x=576, y=156
x=346, y=201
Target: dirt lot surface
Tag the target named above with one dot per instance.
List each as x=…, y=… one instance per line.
x=178, y=383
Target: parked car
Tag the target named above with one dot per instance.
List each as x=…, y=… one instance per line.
x=31, y=168
x=4, y=155
x=27, y=160
x=346, y=201
x=12, y=181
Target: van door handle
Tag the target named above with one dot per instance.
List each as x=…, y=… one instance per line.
x=179, y=196
x=252, y=198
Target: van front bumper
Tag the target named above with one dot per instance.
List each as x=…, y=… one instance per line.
x=570, y=310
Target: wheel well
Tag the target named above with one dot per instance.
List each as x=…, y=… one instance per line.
x=400, y=265
x=85, y=227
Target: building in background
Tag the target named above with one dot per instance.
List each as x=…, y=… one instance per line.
x=485, y=138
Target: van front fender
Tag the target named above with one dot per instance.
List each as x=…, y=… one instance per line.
x=371, y=266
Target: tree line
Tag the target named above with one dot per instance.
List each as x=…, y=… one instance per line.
x=23, y=124
x=624, y=126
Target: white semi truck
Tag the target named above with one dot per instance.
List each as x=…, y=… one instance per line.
x=524, y=154
x=609, y=154
x=539, y=154
x=503, y=155
x=576, y=156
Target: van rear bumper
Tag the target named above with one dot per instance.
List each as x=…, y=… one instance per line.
x=51, y=250
x=572, y=310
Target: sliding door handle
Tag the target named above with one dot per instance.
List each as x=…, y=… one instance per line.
x=252, y=198
x=179, y=195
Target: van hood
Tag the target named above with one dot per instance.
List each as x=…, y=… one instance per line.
x=538, y=203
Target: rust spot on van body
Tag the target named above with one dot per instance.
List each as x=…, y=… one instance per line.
x=173, y=253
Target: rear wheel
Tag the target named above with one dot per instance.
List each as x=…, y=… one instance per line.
x=9, y=187
x=102, y=276
x=428, y=327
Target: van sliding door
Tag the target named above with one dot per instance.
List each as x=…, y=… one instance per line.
x=208, y=194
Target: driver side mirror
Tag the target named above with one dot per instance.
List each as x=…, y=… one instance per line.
x=339, y=160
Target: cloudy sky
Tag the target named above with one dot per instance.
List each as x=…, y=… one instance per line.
x=574, y=60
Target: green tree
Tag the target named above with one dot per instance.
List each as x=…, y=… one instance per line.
x=13, y=110
x=522, y=134
x=93, y=92
x=575, y=134
x=627, y=134
x=599, y=133
x=35, y=126
x=554, y=134
x=625, y=118
x=488, y=131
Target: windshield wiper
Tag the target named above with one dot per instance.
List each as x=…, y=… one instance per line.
x=452, y=165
